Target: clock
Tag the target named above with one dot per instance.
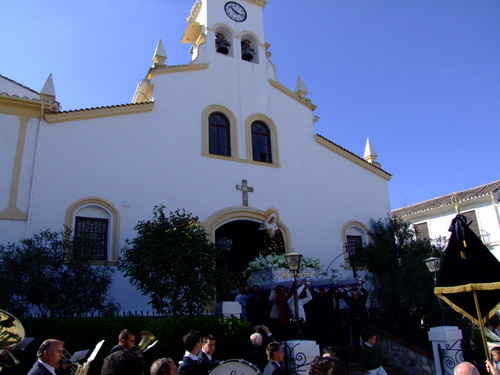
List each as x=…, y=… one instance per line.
x=235, y=11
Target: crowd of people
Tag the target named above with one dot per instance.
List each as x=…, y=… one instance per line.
x=273, y=312
x=318, y=310
x=265, y=357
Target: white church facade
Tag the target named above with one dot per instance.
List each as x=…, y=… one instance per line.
x=219, y=136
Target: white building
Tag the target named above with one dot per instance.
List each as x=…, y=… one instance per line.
x=219, y=136
x=431, y=219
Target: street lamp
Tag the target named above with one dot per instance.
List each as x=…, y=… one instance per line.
x=434, y=266
x=225, y=244
x=293, y=261
x=351, y=250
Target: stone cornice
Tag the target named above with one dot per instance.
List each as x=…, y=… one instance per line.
x=260, y=3
x=166, y=69
x=293, y=95
x=352, y=157
x=90, y=113
x=17, y=106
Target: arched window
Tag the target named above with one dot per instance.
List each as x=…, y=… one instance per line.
x=219, y=134
x=95, y=224
x=261, y=142
x=355, y=236
x=91, y=238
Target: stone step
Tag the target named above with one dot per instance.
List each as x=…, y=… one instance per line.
x=354, y=366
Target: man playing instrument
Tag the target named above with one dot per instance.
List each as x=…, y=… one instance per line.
x=126, y=341
x=50, y=355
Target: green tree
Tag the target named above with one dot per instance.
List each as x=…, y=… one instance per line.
x=173, y=262
x=41, y=273
x=402, y=283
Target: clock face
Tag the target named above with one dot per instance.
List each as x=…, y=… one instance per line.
x=235, y=11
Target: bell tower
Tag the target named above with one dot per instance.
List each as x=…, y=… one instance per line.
x=234, y=29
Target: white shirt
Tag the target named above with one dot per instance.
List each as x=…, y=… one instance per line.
x=190, y=355
x=302, y=302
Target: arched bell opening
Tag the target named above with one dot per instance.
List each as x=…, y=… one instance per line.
x=224, y=41
x=249, y=48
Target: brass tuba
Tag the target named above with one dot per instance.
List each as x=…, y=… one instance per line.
x=11, y=334
x=76, y=368
x=147, y=340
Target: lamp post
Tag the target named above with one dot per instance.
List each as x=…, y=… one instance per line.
x=293, y=261
x=351, y=250
x=225, y=244
x=434, y=266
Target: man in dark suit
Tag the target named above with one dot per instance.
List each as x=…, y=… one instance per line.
x=191, y=364
x=126, y=341
x=256, y=353
x=275, y=356
x=207, y=348
x=320, y=314
x=50, y=355
x=358, y=315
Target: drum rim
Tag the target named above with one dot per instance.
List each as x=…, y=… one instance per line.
x=243, y=361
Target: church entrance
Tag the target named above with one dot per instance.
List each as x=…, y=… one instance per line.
x=248, y=243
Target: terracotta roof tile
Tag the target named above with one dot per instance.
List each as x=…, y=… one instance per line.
x=446, y=200
x=109, y=106
x=352, y=153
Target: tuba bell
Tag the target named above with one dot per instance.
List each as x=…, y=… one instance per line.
x=77, y=368
x=11, y=334
x=147, y=340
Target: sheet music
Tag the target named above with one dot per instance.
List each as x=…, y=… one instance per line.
x=94, y=352
x=150, y=346
x=23, y=344
x=78, y=356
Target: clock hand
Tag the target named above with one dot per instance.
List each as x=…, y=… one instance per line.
x=235, y=11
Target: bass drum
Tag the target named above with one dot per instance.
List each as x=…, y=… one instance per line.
x=235, y=367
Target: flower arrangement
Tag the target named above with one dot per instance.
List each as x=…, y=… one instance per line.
x=279, y=261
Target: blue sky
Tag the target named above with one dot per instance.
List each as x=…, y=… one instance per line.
x=421, y=78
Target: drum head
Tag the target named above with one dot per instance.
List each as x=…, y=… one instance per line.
x=235, y=367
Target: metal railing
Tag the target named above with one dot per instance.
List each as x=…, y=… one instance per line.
x=450, y=356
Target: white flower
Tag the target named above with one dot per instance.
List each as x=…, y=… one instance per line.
x=279, y=261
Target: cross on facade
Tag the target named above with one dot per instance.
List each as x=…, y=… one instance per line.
x=245, y=189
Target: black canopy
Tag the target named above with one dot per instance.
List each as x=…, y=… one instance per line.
x=469, y=271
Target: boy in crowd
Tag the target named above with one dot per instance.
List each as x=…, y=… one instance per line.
x=371, y=360
x=495, y=354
